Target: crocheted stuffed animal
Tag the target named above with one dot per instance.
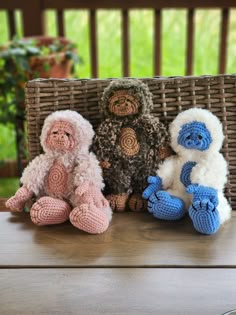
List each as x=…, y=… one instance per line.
x=129, y=143
x=193, y=179
x=66, y=180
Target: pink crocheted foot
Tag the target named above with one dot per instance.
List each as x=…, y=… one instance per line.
x=89, y=219
x=47, y=211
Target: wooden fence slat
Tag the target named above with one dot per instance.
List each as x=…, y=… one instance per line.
x=157, y=42
x=10, y=168
x=33, y=17
x=11, y=23
x=190, y=42
x=125, y=43
x=93, y=43
x=60, y=23
x=223, y=40
x=141, y=4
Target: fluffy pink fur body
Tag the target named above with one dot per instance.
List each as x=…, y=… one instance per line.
x=66, y=179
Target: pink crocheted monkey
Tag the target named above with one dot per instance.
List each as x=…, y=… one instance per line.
x=67, y=179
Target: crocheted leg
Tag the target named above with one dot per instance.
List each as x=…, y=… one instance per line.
x=118, y=202
x=205, y=216
x=89, y=218
x=47, y=211
x=137, y=203
x=165, y=206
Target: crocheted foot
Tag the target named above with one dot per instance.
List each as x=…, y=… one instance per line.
x=137, y=203
x=205, y=216
x=118, y=202
x=166, y=207
x=89, y=218
x=47, y=211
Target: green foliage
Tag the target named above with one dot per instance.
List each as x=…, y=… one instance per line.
x=15, y=70
x=8, y=186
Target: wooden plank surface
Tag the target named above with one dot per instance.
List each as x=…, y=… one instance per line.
x=133, y=239
x=117, y=291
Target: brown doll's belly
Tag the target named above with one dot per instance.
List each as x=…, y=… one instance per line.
x=128, y=142
x=56, y=184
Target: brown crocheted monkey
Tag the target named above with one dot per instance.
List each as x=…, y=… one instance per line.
x=129, y=143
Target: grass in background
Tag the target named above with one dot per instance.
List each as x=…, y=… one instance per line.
x=141, y=50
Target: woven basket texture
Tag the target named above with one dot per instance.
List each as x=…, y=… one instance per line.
x=171, y=95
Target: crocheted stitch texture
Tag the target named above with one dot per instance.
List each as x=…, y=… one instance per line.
x=196, y=137
x=129, y=147
x=203, y=210
x=165, y=206
x=186, y=172
x=66, y=176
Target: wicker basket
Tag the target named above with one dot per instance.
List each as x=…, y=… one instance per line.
x=170, y=96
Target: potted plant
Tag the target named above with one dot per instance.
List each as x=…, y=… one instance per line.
x=25, y=59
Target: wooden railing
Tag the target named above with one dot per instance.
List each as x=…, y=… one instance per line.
x=33, y=22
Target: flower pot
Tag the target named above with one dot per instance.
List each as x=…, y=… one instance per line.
x=54, y=65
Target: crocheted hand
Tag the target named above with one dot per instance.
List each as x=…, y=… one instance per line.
x=203, y=210
x=90, y=194
x=201, y=193
x=105, y=164
x=155, y=185
x=17, y=202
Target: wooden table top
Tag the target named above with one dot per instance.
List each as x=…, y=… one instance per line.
x=139, y=266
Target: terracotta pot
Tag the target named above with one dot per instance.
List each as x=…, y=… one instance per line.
x=59, y=66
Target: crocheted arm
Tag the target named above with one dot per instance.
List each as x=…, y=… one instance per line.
x=157, y=138
x=88, y=193
x=88, y=181
x=211, y=172
x=32, y=180
x=17, y=202
x=164, y=177
x=104, y=142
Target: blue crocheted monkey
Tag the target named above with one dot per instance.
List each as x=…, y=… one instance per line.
x=195, y=177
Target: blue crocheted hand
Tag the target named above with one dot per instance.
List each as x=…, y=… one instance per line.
x=155, y=185
x=203, y=210
x=203, y=193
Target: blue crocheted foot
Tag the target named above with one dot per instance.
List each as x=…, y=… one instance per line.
x=166, y=207
x=205, y=216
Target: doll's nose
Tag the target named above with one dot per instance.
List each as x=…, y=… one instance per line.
x=122, y=100
x=61, y=137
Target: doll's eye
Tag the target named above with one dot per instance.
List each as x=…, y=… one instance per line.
x=68, y=134
x=55, y=132
x=199, y=137
x=188, y=137
x=116, y=102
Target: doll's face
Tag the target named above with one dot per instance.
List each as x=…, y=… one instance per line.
x=123, y=104
x=195, y=135
x=61, y=136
